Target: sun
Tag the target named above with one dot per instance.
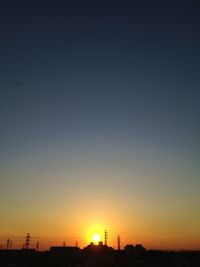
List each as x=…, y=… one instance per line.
x=96, y=238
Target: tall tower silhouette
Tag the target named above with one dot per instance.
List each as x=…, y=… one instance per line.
x=8, y=243
x=10, y=246
x=105, y=237
x=118, y=242
x=37, y=245
x=27, y=241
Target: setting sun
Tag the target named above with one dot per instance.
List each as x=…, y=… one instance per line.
x=96, y=238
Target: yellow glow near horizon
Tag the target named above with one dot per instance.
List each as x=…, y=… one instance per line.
x=96, y=238
x=91, y=228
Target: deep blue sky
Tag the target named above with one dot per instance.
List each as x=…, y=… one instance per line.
x=104, y=84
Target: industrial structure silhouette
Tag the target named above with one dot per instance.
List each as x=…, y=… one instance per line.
x=97, y=255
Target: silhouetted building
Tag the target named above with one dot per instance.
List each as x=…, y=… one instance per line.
x=139, y=248
x=129, y=249
x=98, y=255
x=100, y=248
x=75, y=257
x=133, y=250
x=64, y=251
x=64, y=256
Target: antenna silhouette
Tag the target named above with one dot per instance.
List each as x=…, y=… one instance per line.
x=7, y=243
x=118, y=242
x=37, y=245
x=27, y=241
x=10, y=246
x=105, y=237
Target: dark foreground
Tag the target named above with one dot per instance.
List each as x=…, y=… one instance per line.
x=112, y=258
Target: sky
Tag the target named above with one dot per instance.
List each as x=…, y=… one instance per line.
x=100, y=122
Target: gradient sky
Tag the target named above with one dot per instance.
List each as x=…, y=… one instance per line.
x=100, y=122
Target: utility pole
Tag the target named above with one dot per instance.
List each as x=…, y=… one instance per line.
x=7, y=243
x=118, y=242
x=10, y=244
x=105, y=237
x=37, y=245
